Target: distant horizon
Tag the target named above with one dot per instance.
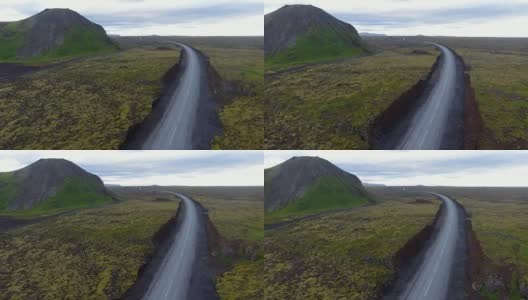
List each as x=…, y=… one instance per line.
x=159, y=17
x=462, y=168
x=454, y=186
x=449, y=36
x=148, y=168
x=449, y=18
x=167, y=186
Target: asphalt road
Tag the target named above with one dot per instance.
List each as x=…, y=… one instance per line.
x=430, y=122
x=172, y=281
x=431, y=281
x=175, y=129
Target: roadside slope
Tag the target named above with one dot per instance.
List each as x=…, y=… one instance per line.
x=434, y=278
x=437, y=122
x=179, y=269
x=343, y=255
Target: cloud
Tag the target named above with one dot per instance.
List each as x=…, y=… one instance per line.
x=154, y=16
x=448, y=17
x=205, y=168
x=463, y=168
x=183, y=17
x=474, y=13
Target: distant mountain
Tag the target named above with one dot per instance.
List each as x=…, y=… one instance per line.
x=371, y=34
x=51, y=184
x=309, y=184
x=374, y=184
x=52, y=33
x=304, y=33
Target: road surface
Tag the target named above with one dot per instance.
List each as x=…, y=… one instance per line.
x=430, y=122
x=173, y=277
x=431, y=281
x=175, y=129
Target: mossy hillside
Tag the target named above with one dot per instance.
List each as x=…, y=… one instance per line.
x=239, y=222
x=331, y=105
x=243, y=282
x=499, y=79
x=75, y=193
x=82, y=41
x=326, y=193
x=502, y=231
x=89, y=254
x=87, y=104
x=8, y=189
x=243, y=117
x=318, y=44
x=342, y=255
x=79, y=41
x=12, y=36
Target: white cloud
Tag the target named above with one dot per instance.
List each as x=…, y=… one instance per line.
x=198, y=168
x=450, y=168
x=182, y=17
x=412, y=17
x=9, y=164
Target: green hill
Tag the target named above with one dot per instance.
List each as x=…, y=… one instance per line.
x=52, y=33
x=306, y=185
x=49, y=185
x=297, y=34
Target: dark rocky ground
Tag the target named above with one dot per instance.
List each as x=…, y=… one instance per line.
x=202, y=280
x=11, y=71
x=389, y=134
x=409, y=258
x=209, y=123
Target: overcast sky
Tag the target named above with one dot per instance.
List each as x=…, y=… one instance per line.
x=505, y=18
x=198, y=168
x=432, y=168
x=161, y=17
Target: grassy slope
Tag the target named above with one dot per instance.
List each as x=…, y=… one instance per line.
x=242, y=221
x=318, y=44
x=87, y=104
x=91, y=254
x=330, y=106
x=78, y=41
x=75, y=193
x=345, y=255
x=82, y=41
x=327, y=193
x=243, y=118
x=8, y=189
x=11, y=39
x=500, y=86
x=502, y=230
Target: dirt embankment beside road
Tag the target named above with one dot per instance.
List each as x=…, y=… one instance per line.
x=209, y=124
x=202, y=285
x=392, y=122
x=400, y=111
x=485, y=275
x=408, y=259
x=473, y=125
x=138, y=133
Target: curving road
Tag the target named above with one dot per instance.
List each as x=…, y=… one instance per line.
x=431, y=281
x=175, y=129
x=430, y=122
x=173, y=278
